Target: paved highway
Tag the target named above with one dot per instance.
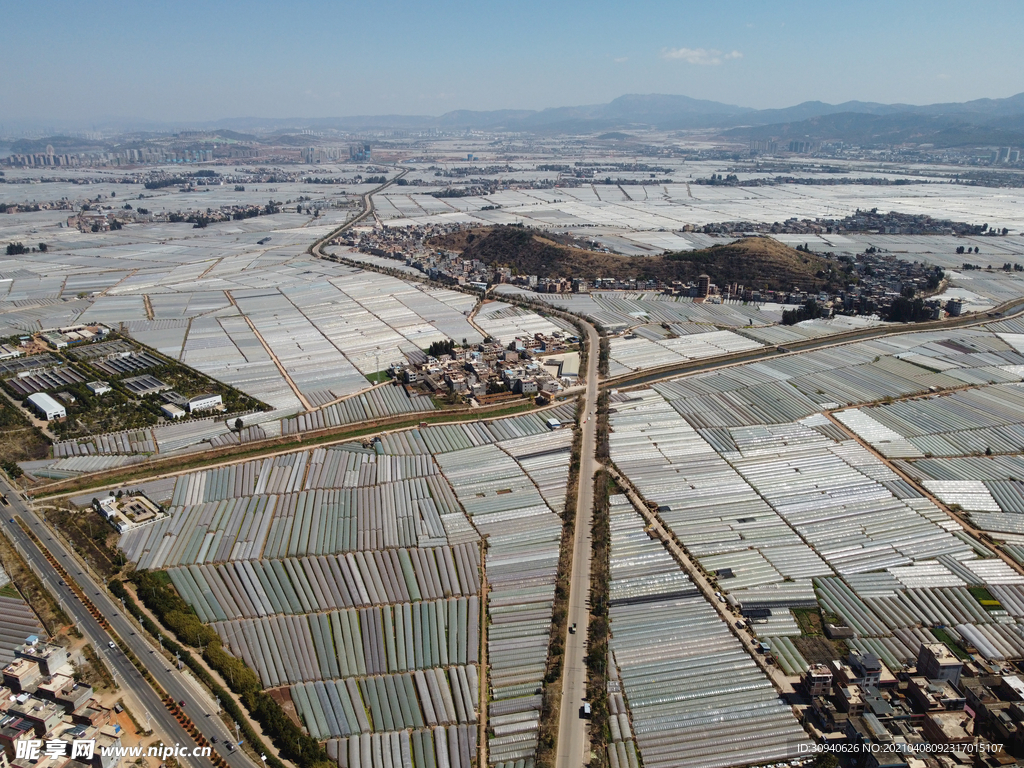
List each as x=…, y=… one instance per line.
x=572, y=735
x=199, y=706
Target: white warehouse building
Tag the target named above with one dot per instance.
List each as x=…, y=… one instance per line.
x=204, y=403
x=48, y=408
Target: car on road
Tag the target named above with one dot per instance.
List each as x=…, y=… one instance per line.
x=181, y=703
x=5, y=502
x=585, y=711
x=572, y=628
x=111, y=644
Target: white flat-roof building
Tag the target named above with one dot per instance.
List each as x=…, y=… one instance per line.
x=48, y=408
x=98, y=387
x=54, y=339
x=172, y=411
x=565, y=366
x=204, y=403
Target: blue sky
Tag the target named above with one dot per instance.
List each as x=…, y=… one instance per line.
x=194, y=61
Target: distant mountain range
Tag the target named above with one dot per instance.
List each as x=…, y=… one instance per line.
x=866, y=129
x=978, y=122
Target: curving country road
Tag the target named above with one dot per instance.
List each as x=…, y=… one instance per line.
x=317, y=248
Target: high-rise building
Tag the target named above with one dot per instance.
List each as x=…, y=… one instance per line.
x=360, y=152
x=769, y=147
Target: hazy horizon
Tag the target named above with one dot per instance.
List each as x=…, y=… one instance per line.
x=192, y=63
x=113, y=119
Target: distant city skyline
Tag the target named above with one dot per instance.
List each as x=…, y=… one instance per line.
x=193, y=62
